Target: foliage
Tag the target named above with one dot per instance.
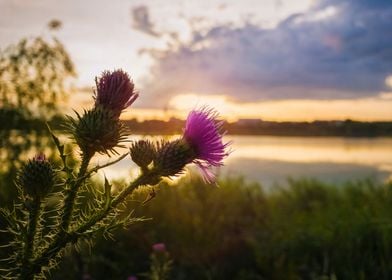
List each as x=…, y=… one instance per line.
x=32, y=77
x=160, y=266
x=34, y=74
x=307, y=230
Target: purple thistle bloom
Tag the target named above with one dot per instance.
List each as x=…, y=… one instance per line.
x=132, y=277
x=159, y=247
x=39, y=158
x=115, y=91
x=203, y=133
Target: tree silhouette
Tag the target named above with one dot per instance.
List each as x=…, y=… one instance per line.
x=34, y=80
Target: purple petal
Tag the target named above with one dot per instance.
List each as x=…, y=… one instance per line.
x=203, y=132
x=115, y=91
x=159, y=247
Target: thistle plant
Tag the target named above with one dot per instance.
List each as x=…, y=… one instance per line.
x=160, y=263
x=57, y=207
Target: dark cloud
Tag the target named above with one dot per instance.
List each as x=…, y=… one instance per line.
x=141, y=20
x=371, y=4
x=339, y=49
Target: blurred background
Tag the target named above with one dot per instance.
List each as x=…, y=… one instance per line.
x=304, y=88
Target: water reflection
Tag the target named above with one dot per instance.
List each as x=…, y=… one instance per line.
x=270, y=160
x=306, y=149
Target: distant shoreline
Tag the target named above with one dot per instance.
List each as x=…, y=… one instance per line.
x=348, y=128
x=251, y=127
x=157, y=133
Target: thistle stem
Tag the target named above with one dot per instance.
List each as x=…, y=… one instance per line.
x=62, y=238
x=67, y=237
x=98, y=167
x=69, y=200
x=29, y=242
x=143, y=179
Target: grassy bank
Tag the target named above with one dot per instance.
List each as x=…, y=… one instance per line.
x=307, y=230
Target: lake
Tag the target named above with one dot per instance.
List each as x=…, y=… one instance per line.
x=272, y=160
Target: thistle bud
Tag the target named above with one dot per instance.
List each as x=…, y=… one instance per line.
x=115, y=91
x=142, y=153
x=97, y=131
x=172, y=157
x=36, y=177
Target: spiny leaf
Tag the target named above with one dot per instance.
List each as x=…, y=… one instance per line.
x=60, y=148
x=108, y=196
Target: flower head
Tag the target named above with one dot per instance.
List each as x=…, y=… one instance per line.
x=159, y=247
x=172, y=157
x=97, y=131
x=39, y=158
x=203, y=132
x=201, y=144
x=115, y=91
x=142, y=152
x=37, y=176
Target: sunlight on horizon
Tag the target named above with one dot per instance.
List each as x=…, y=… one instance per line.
x=367, y=109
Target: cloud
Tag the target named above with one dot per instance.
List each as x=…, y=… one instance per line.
x=337, y=50
x=141, y=20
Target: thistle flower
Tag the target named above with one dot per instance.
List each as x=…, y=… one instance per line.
x=97, y=131
x=36, y=177
x=203, y=132
x=201, y=144
x=159, y=247
x=115, y=91
x=172, y=157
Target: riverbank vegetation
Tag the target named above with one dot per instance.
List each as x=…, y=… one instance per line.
x=305, y=230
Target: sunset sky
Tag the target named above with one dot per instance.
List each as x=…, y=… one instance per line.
x=269, y=59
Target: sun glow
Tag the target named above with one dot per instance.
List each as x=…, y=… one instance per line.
x=186, y=102
x=366, y=109
x=388, y=81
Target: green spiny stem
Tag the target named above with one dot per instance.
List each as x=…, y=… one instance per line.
x=60, y=243
x=143, y=179
x=29, y=242
x=147, y=177
x=70, y=198
x=98, y=167
x=60, y=240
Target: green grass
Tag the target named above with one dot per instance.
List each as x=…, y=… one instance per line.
x=307, y=230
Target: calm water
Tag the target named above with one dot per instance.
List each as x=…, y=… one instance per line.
x=270, y=160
